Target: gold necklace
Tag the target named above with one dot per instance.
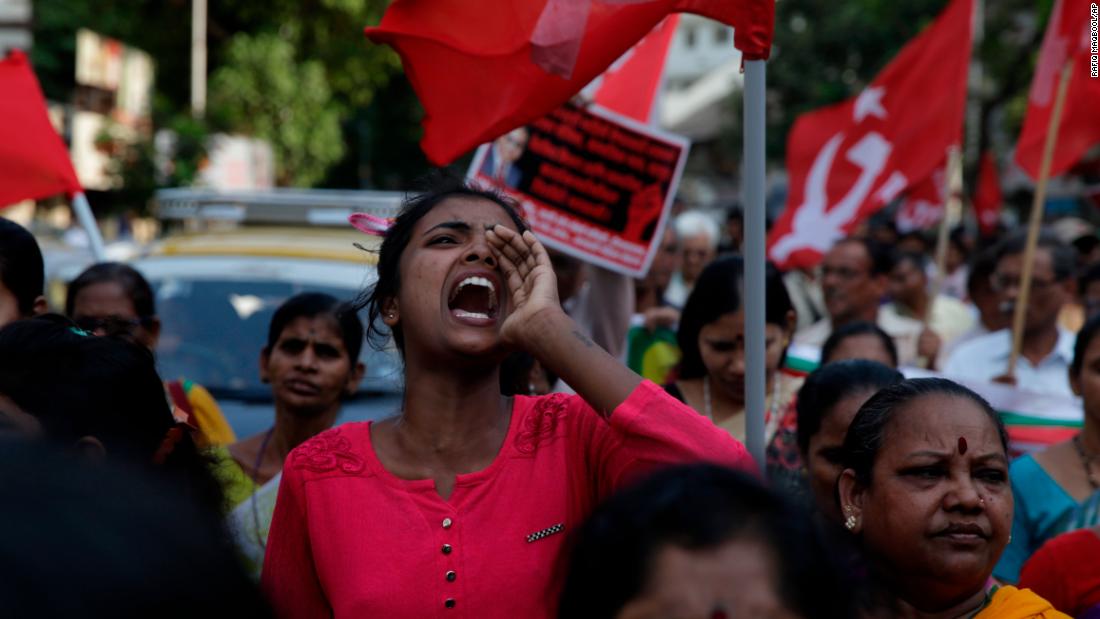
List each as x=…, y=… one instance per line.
x=1086, y=461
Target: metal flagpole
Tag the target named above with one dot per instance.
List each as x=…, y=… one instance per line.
x=755, y=374
x=87, y=221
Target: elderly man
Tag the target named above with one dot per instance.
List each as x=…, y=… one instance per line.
x=699, y=237
x=853, y=280
x=1047, y=350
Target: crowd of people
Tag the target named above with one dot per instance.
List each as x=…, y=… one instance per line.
x=570, y=440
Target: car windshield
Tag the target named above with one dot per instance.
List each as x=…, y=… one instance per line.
x=212, y=332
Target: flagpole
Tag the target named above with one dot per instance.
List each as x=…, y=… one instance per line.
x=755, y=374
x=951, y=207
x=1036, y=220
x=87, y=221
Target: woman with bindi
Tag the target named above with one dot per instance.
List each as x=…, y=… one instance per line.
x=711, y=375
x=1058, y=489
x=925, y=491
x=464, y=499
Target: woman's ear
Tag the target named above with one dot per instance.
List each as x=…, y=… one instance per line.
x=1075, y=382
x=390, y=313
x=354, y=378
x=265, y=357
x=851, y=494
x=792, y=325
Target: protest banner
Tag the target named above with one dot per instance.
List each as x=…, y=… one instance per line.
x=593, y=184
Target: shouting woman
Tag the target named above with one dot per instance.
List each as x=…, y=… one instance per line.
x=463, y=501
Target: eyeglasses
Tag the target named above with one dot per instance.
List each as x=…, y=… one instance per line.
x=111, y=325
x=1002, y=282
x=842, y=273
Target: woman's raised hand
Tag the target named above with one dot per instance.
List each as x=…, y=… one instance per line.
x=529, y=276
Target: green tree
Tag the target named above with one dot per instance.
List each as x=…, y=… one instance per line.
x=263, y=90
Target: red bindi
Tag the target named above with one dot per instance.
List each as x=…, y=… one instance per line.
x=718, y=613
x=962, y=446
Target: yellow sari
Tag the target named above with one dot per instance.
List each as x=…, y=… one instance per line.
x=1013, y=603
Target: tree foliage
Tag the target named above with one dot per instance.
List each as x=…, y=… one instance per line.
x=264, y=91
x=299, y=73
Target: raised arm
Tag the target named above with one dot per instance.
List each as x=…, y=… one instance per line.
x=538, y=325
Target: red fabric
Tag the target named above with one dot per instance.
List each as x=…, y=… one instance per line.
x=630, y=88
x=987, y=196
x=348, y=539
x=33, y=160
x=1066, y=572
x=848, y=160
x=1066, y=40
x=484, y=67
x=924, y=202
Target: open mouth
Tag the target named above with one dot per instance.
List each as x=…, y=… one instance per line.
x=474, y=297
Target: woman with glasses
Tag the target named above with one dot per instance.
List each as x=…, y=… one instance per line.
x=111, y=298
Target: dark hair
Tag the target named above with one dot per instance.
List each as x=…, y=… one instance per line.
x=1085, y=244
x=919, y=261
x=854, y=329
x=80, y=385
x=1084, y=338
x=881, y=259
x=1062, y=256
x=719, y=291
x=134, y=285
x=697, y=507
x=312, y=304
x=125, y=545
x=397, y=239
x=1090, y=274
x=21, y=267
x=866, y=433
x=830, y=384
x=917, y=235
x=982, y=268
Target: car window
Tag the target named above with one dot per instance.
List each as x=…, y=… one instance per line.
x=212, y=332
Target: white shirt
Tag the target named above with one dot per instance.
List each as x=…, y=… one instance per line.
x=986, y=357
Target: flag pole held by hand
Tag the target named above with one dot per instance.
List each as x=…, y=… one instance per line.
x=1036, y=218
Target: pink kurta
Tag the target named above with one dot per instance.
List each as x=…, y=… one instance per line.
x=349, y=539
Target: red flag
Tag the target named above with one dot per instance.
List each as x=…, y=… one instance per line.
x=630, y=86
x=848, y=160
x=33, y=160
x=1067, y=39
x=924, y=202
x=484, y=67
x=987, y=195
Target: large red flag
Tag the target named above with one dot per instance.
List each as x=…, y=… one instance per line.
x=484, y=67
x=1067, y=39
x=848, y=160
x=987, y=195
x=33, y=160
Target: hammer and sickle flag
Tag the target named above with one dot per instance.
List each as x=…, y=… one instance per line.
x=848, y=160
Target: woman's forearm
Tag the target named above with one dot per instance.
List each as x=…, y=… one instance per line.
x=560, y=346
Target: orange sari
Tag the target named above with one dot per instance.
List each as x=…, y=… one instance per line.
x=1013, y=603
